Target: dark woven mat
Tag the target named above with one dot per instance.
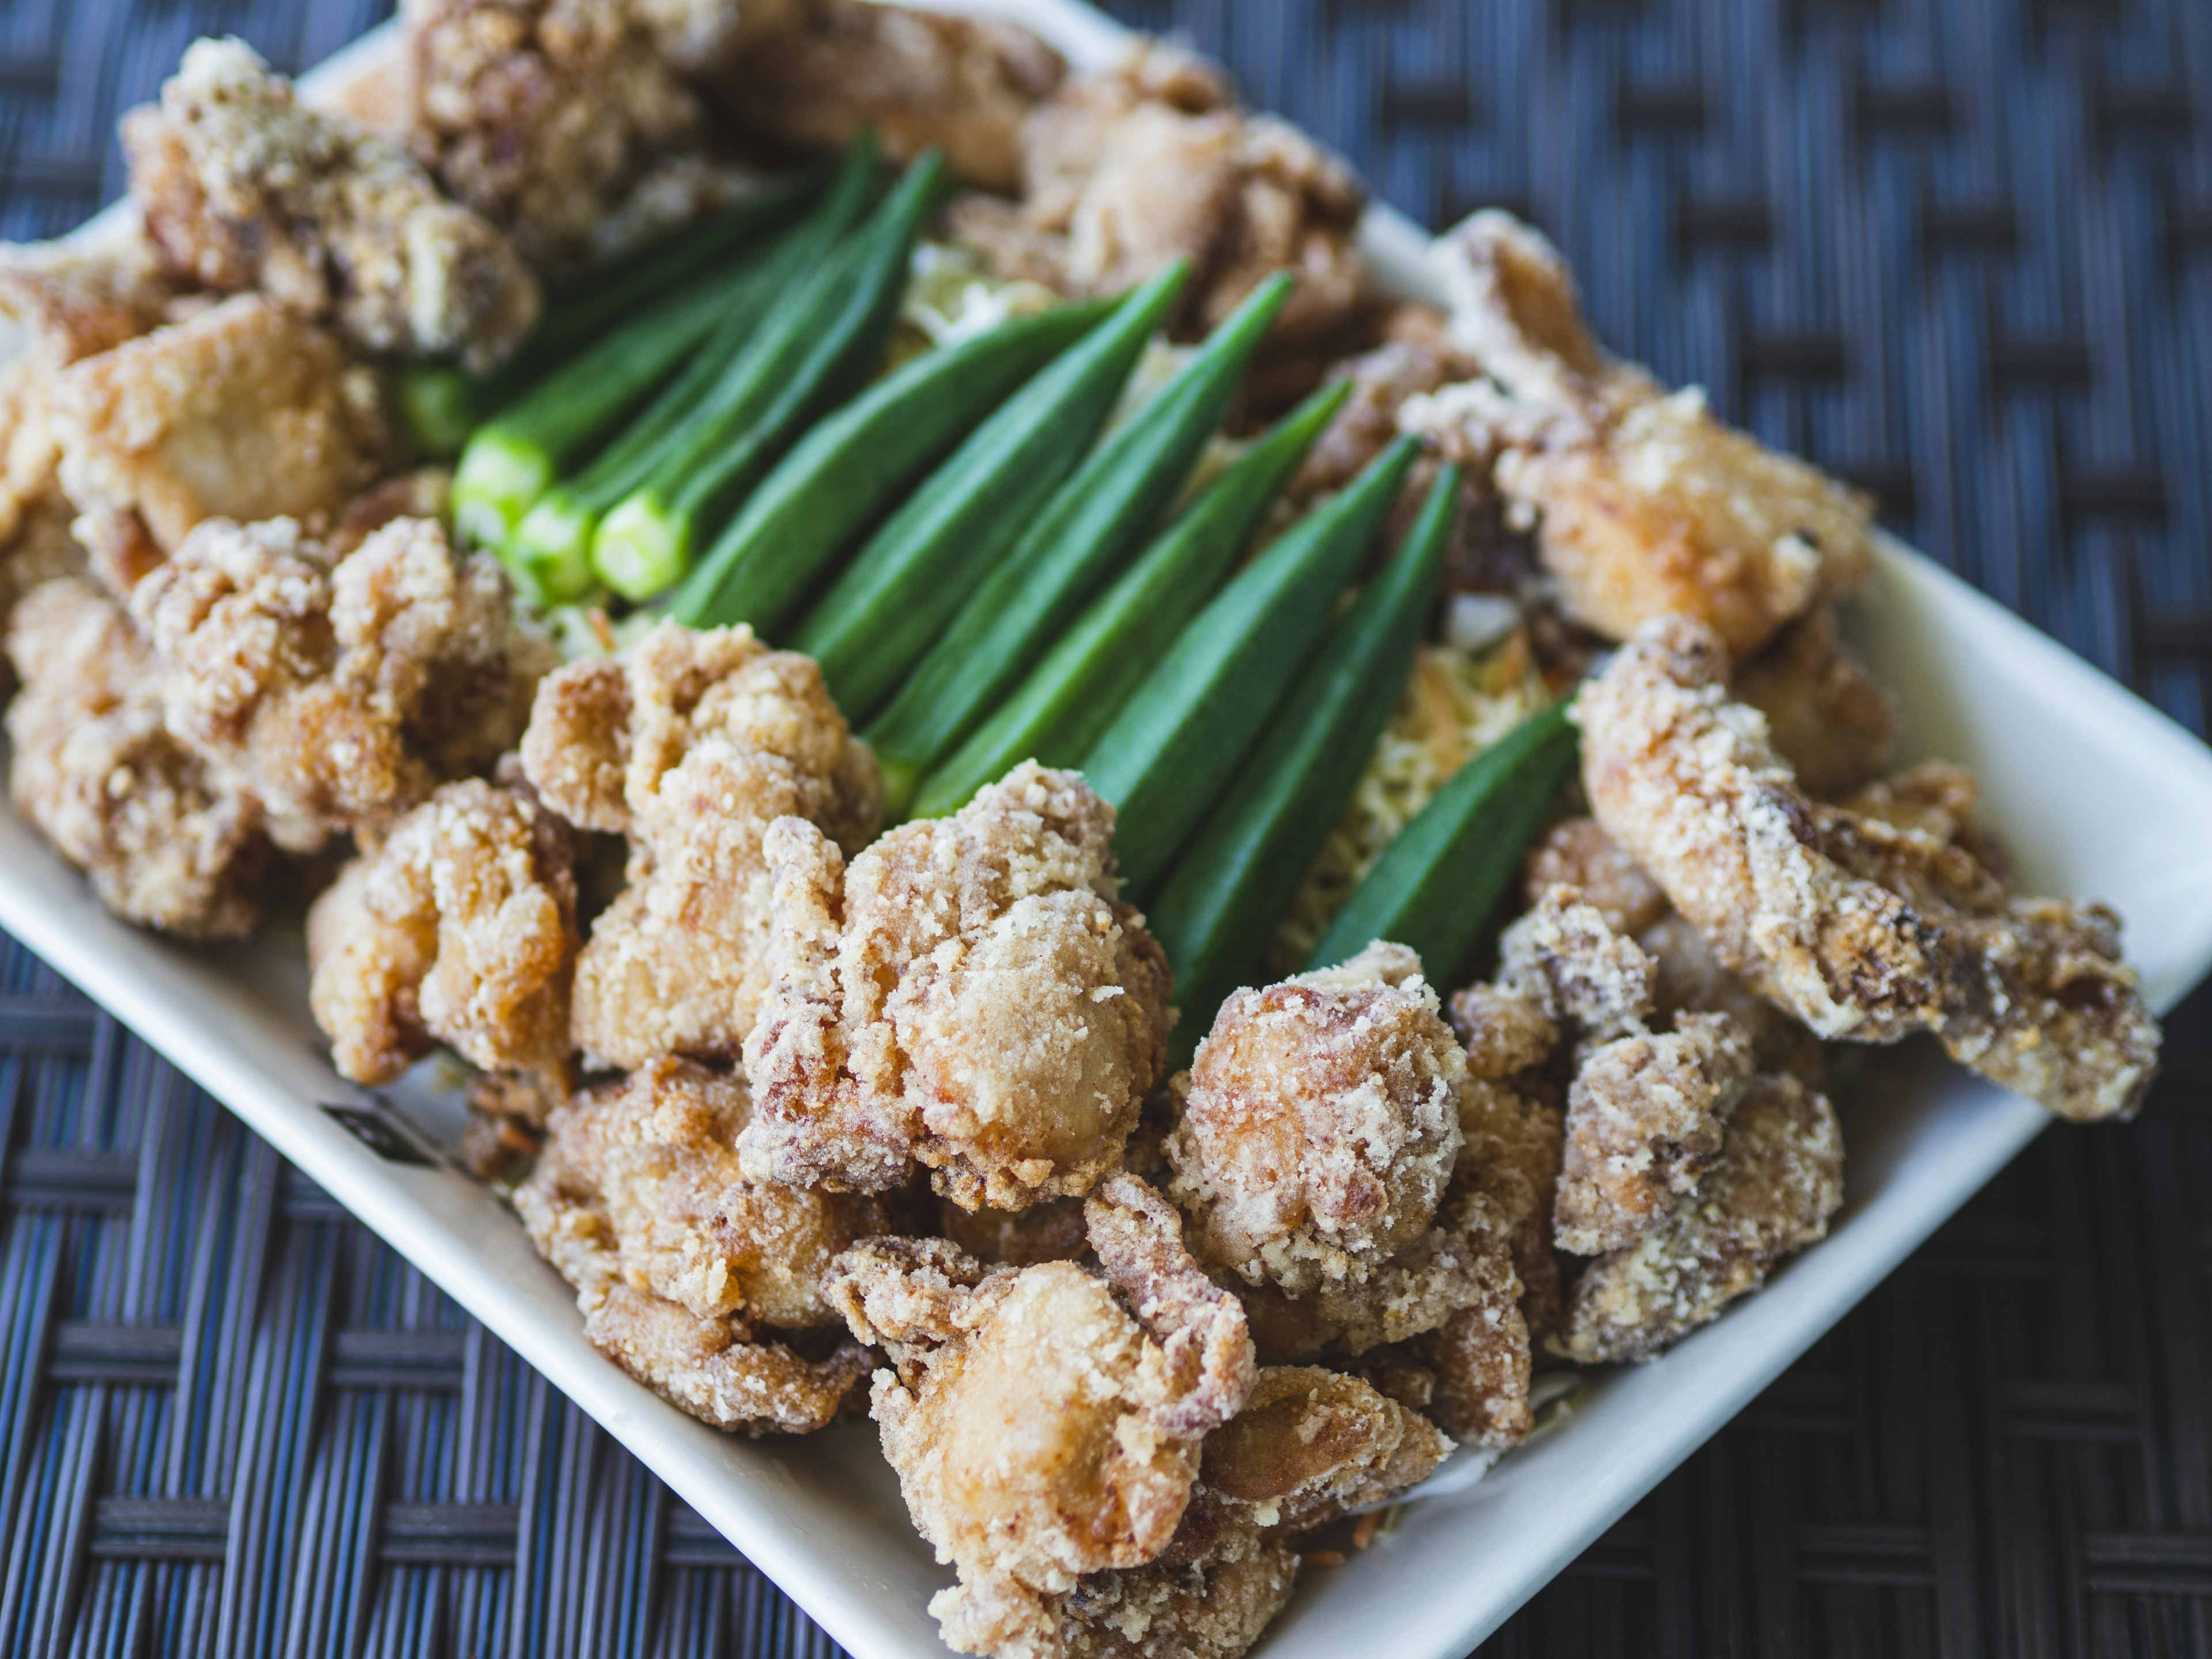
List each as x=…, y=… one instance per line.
x=1961, y=251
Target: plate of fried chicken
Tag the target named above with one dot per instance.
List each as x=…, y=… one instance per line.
x=838, y=1164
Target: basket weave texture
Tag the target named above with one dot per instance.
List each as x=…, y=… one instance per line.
x=1958, y=250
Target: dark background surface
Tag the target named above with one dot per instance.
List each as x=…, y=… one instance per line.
x=1961, y=252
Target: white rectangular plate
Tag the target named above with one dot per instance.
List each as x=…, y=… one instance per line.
x=2098, y=794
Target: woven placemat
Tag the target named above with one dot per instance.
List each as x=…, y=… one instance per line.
x=1961, y=253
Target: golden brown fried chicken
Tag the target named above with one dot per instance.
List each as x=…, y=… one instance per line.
x=1045, y=1421
x=1823, y=715
x=1642, y=503
x=1321, y=1123
x=1151, y=160
x=336, y=694
x=166, y=843
x=559, y=120
x=245, y=411
x=1514, y=1136
x=1575, y=853
x=1691, y=978
x=917, y=77
x=970, y=993
x=1566, y=957
x=1862, y=930
x=691, y=744
x=459, y=927
x=244, y=188
x=682, y=1265
x=1213, y=1607
x=1777, y=1180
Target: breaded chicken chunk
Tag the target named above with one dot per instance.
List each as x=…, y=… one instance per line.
x=1575, y=853
x=1151, y=160
x=459, y=927
x=245, y=411
x=1777, y=1180
x=558, y=120
x=1565, y=956
x=970, y=993
x=1863, y=930
x=686, y=1270
x=1045, y=1421
x=166, y=843
x=1510, y=1117
x=336, y=694
x=244, y=188
x=829, y=68
x=1644, y=505
x=691, y=744
x=1321, y=1123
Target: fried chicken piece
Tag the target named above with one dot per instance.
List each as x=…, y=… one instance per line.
x=692, y=743
x=336, y=694
x=1824, y=715
x=1151, y=160
x=1862, y=930
x=1575, y=853
x=1514, y=1136
x=1045, y=1421
x=426, y=492
x=969, y=994
x=919, y=78
x=166, y=844
x=459, y=927
x=243, y=188
x=556, y=120
x=1691, y=978
x=1644, y=505
x=1416, y=357
x=1321, y=1123
x=1938, y=800
x=1565, y=957
x=1644, y=1125
x=1213, y=1607
x=680, y=1263
x=245, y=411
x=1777, y=1180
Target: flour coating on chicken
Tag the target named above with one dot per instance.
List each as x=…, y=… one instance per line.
x=692, y=743
x=336, y=694
x=970, y=993
x=459, y=927
x=1045, y=1421
x=688, y=1272
x=1862, y=929
x=244, y=188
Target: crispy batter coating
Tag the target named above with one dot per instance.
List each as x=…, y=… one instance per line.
x=1045, y=1421
x=1575, y=853
x=244, y=188
x=919, y=78
x=969, y=994
x=1565, y=957
x=554, y=119
x=1644, y=1125
x=680, y=1262
x=1321, y=1123
x=1644, y=504
x=1691, y=978
x=96, y=767
x=1214, y=1607
x=336, y=694
x=690, y=743
x=1515, y=1134
x=1862, y=930
x=245, y=411
x=459, y=927
x=1777, y=1180
x=1151, y=160
x=1825, y=714
x=74, y=299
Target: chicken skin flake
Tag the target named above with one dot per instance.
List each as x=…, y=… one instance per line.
x=1863, y=930
x=244, y=188
x=166, y=843
x=1644, y=505
x=692, y=743
x=336, y=694
x=681, y=1264
x=245, y=411
x=459, y=927
x=1045, y=1421
x=969, y=994
x=1777, y=1180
